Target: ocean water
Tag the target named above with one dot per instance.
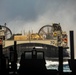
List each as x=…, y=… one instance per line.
x=54, y=65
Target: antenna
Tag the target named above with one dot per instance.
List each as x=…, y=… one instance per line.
x=5, y=24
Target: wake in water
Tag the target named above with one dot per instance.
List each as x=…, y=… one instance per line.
x=54, y=65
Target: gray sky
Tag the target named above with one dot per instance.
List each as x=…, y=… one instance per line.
x=33, y=14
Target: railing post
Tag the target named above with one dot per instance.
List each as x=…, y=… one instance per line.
x=1, y=57
x=72, y=44
x=15, y=55
x=60, y=68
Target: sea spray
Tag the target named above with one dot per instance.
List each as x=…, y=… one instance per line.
x=54, y=65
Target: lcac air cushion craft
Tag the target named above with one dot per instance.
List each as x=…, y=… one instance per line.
x=48, y=39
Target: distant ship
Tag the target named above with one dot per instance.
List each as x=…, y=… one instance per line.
x=48, y=33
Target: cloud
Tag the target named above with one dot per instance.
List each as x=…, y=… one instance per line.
x=29, y=13
x=33, y=14
x=28, y=10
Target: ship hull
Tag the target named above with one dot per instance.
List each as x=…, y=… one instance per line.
x=49, y=50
